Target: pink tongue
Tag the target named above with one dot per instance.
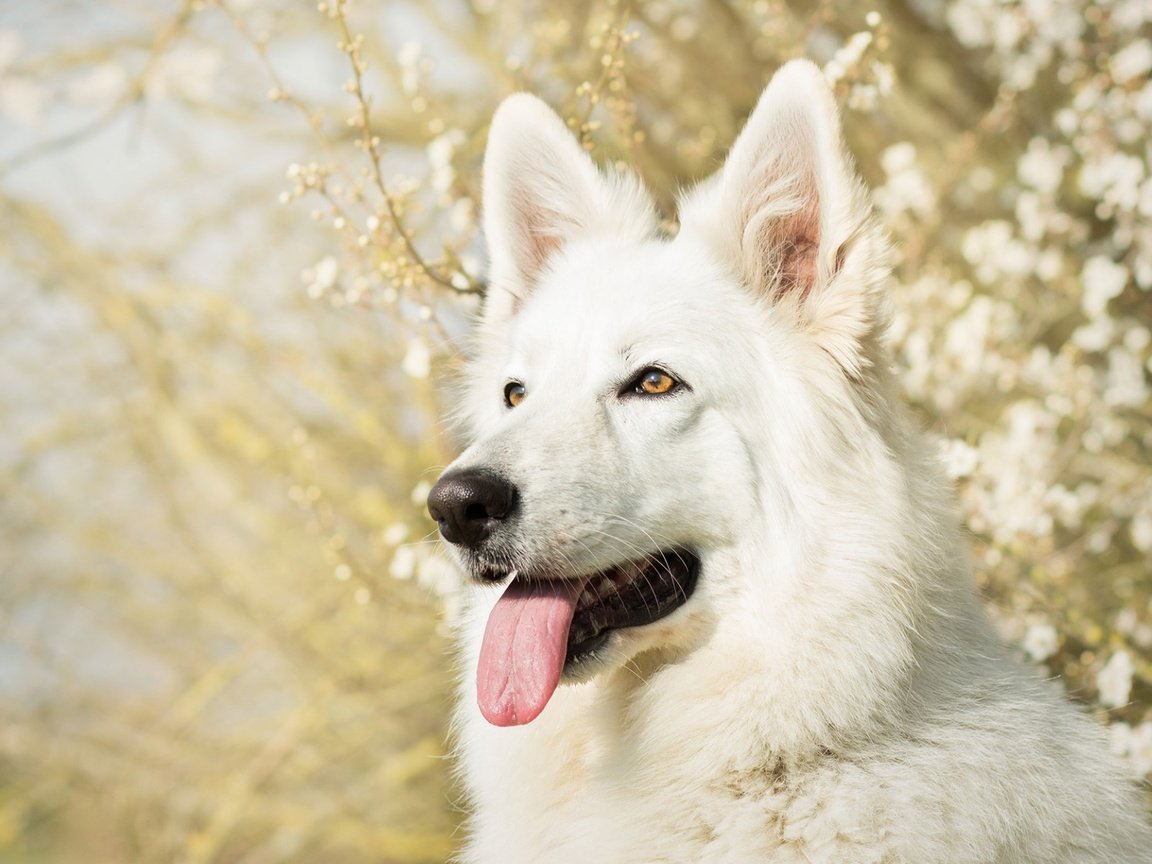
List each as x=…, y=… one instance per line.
x=523, y=651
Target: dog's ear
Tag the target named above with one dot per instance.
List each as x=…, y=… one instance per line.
x=787, y=210
x=541, y=191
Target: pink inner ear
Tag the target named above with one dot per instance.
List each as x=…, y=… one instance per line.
x=781, y=219
x=799, y=244
x=535, y=233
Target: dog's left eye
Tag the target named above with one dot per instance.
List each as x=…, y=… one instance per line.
x=513, y=393
x=653, y=382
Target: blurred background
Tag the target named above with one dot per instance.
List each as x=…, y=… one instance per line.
x=238, y=257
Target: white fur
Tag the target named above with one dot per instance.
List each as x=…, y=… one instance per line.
x=832, y=692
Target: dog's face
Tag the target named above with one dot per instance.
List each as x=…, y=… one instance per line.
x=617, y=402
x=614, y=434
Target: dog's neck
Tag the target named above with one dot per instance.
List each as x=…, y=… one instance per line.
x=876, y=597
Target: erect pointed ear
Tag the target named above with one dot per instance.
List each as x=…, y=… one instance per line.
x=541, y=191
x=787, y=212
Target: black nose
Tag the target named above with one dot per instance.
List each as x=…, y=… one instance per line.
x=468, y=504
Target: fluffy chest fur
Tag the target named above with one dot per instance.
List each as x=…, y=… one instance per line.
x=667, y=769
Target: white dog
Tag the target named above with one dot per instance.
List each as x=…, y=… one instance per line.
x=729, y=614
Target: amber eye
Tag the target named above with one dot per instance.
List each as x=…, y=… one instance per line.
x=513, y=393
x=654, y=382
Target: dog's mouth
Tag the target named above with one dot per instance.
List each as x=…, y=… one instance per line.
x=542, y=628
x=631, y=595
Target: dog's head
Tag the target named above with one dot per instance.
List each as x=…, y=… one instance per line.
x=640, y=407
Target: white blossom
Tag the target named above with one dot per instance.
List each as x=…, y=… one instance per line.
x=439, y=151
x=1114, y=681
x=322, y=276
x=1140, y=749
x=394, y=534
x=1096, y=335
x=1125, y=384
x=847, y=56
x=995, y=252
x=403, y=564
x=906, y=188
x=409, y=57
x=960, y=459
x=462, y=216
x=1132, y=61
x=1040, y=641
x=1135, y=745
x=417, y=362
x=1113, y=179
x=419, y=494
x=1140, y=529
x=1102, y=279
x=1042, y=165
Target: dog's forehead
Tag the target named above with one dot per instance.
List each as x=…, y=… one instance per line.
x=601, y=295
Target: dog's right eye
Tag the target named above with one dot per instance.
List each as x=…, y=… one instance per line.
x=652, y=381
x=513, y=393
x=655, y=382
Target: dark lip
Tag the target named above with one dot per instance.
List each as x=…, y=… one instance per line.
x=490, y=573
x=664, y=585
x=487, y=568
